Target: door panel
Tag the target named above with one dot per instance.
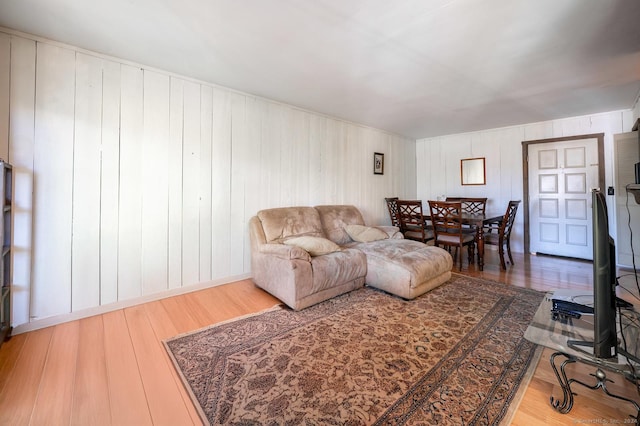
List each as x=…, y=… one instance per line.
x=561, y=176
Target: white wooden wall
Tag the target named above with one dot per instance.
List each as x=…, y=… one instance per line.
x=438, y=159
x=133, y=182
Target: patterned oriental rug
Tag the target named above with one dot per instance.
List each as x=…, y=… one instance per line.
x=455, y=355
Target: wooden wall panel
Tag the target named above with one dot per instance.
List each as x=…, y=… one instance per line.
x=130, y=202
x=110, y=182
x=331, y=166
x=238, y=171
x=503, y=151
x=5, y=89
x=174, y=166
x=336, y=136
x=155, y=182
x=221, y=185
x=206, y=134
x=318, y=163
x=53, y=180
x=144, y=182
x=21, y=142
x=252, y=168
x=85, y=254
x=191, y=185
x=300, y=161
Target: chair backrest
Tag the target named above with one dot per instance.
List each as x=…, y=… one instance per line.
x=474, y=205
x=446, y=218
x=411, y=217
x=509, y=218
x=392, y=205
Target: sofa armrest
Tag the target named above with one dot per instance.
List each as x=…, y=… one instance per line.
x=284, y=251
x=393, y=232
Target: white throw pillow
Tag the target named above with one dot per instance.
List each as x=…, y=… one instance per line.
x=365, y=234
x=315, y=246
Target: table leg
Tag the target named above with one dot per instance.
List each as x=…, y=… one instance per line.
x=480, y=244
x=563, y=406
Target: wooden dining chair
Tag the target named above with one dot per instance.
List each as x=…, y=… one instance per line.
x=474, y=205
x=446, y=219
x=412, y=223
x=471, y=205
x=499, y=233
x=392, y=206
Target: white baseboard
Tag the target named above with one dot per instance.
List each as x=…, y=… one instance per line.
x=73, y=316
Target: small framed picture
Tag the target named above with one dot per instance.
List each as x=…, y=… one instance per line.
x=378, y=163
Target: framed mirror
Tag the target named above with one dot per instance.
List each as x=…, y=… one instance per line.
x=472, y=171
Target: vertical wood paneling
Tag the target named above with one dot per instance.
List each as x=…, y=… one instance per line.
x=282, y=130
x=53, y=176
x=537, y=131
x=21, y=146
x=110, y=182
x=318, y=160
x=155, y=183
x=423, y=176
x=329, y=149
x=130, y=203
x=352, y=164
x=269, y=160
x=299, y=139
x=5, y=89
x=191, y=188
x=176, y=131
x=206, y=132
x=274, y=129
x=221, y=184
x=85, y=255
x=502, y=149
x=335, y=134
x=238, y=149
x=164, y=175
x=252, y=167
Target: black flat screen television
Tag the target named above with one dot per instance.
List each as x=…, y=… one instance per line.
x=605, y=338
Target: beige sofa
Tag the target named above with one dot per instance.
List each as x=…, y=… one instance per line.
x=299, y=279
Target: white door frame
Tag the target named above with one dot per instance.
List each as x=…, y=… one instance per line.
x=525, y=173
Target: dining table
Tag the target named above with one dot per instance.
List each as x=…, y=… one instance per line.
x=477, y=220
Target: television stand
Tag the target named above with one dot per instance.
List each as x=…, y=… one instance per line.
x=566, y=404
x=570, y=337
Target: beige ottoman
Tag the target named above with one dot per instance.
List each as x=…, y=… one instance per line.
x=405, y=268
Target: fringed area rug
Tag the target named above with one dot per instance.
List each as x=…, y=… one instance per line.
x=455, y=355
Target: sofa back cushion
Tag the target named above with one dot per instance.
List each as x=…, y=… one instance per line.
x=286, y=222
x=336, y=218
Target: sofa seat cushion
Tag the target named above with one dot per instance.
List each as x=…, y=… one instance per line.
x=333, y=269
x=405, y=268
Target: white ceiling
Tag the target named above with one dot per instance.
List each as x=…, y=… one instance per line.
x=419, y=68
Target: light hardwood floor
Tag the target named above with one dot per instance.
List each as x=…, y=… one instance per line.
x=113, y=369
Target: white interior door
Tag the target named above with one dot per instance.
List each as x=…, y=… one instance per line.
x=561, y=176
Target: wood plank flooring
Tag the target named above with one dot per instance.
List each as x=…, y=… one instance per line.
x=112, y=369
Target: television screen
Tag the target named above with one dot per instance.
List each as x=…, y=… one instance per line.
x=604, y=281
